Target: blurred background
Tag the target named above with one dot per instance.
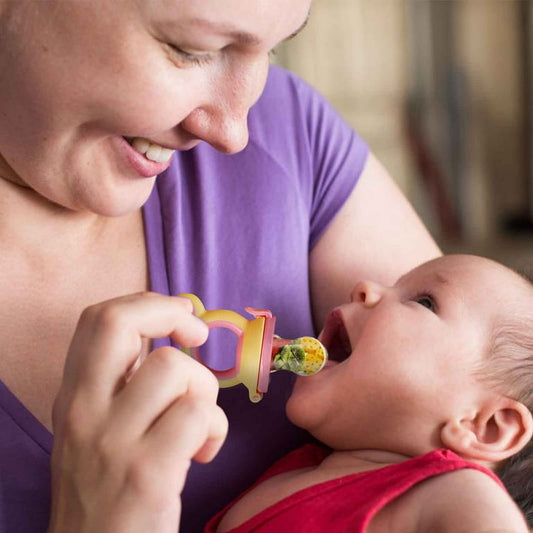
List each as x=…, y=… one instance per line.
x=442, y=90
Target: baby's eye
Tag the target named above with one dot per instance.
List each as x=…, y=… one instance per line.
x=425, y=300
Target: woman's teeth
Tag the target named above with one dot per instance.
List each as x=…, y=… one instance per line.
x=151, y=151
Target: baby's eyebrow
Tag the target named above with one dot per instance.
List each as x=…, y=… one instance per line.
x=436, y=277
x=439, y=278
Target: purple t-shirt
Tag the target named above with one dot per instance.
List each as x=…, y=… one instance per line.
x=236, y=230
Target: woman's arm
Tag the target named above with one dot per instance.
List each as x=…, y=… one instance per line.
x=376, y=235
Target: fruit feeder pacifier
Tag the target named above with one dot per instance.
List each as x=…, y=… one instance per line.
x=259, y=352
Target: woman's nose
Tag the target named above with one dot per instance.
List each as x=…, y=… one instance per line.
x=367, y=293
x=222, y=120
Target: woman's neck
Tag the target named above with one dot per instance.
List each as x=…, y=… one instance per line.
x=31, y=222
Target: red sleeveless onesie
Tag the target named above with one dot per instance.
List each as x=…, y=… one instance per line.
x=346, y=504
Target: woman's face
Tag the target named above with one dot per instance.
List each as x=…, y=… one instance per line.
x=79, y=77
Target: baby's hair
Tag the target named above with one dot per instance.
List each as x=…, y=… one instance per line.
x=516, y=474
x=509, y=366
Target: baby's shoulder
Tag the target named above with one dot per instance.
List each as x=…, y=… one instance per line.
x=460, y=500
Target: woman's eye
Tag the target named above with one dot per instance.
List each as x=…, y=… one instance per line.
x=189, y=58
x=427, y=301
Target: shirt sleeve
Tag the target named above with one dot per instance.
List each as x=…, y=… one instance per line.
x=306, y=136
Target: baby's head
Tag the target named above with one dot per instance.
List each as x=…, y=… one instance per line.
x=444, y=358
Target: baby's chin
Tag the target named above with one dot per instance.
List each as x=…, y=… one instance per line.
x=291, y=407
x=305, y=386
x=299, y=407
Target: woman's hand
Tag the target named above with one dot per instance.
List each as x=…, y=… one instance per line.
x=123, y=446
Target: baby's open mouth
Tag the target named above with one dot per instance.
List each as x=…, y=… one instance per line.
x=335, y=337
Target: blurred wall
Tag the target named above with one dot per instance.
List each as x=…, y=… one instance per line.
x=452, y=72
x=354, y=52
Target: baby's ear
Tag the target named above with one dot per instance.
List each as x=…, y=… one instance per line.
x=500, y=429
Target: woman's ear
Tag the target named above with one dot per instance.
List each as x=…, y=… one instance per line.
x=500, y=429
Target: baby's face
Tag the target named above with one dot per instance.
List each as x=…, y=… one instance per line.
x=408, y=353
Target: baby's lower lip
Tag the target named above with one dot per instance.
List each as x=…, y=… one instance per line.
x=330, y=363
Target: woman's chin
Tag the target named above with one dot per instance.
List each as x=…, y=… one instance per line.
x=116, y=203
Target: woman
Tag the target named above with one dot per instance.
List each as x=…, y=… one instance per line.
x=97, y=98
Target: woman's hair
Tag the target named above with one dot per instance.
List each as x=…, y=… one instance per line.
x=509, y=366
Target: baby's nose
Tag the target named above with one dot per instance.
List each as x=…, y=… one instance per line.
x=367, y=293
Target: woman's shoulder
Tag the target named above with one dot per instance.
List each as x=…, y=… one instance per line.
x=287, y=94
x=291, y=110
x=284, y=88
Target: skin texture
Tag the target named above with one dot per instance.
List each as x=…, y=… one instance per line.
x=411, y=384
x=81, y=76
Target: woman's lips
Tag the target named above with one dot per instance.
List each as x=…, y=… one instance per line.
x=335, y=337
x=142, y=166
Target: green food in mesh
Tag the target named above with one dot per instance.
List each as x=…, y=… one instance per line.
x=290, y=357
x=304, y=356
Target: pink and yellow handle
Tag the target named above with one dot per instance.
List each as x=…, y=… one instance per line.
x=254, y=347
x=258, y=351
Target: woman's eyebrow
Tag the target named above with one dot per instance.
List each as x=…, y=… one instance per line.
x=242, y=37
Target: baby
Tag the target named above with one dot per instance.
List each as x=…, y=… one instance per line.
x=427, y=398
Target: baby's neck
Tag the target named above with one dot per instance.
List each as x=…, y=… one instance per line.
x=354, y=461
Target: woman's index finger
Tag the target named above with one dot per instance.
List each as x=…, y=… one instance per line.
x=108, y=338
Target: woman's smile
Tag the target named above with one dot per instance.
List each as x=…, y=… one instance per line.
x=147, y=159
